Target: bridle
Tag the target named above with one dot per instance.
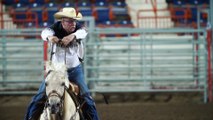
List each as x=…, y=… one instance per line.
x=54, y=93
x=60, y=105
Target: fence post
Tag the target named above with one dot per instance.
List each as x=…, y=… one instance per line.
x=4, y=55
x=45, y=53
x=208, y=38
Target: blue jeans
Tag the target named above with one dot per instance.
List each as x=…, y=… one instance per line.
x=76, y=75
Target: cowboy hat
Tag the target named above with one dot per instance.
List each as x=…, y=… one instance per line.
x=68, y=12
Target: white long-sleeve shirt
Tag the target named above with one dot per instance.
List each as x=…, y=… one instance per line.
x=70, y=55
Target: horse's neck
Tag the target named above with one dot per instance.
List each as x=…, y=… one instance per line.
x=54, y=117
x=46, y=115
x=69, y=106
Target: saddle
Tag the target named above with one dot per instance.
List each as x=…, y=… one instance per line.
x=74, y=88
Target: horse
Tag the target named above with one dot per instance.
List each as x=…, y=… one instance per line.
x=61, y=104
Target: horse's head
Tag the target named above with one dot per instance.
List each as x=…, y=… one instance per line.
x=55, y=83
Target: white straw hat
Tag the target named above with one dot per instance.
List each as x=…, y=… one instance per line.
x=68, y=12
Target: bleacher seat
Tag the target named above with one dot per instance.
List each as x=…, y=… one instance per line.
x=207, y=2
x=51, y=8
x=45, y=10
x=119, y=9
x=97, y=1
x=9, y=2
x=196, y=2
x=120, y=3
x=188, y=11
x=107, y=24
x=203, y=16
x=19, y=7
x=85, y=8
x=29, y=24
x=84, y=4
x=180, y=12
x=101, y=10
x=68, y=4
x=179, y=2
x=26, y=2
x=44, y=1
x=38, y=9
x=125, y=23
x=101, y=3
x=19, y=11
x=44, y=24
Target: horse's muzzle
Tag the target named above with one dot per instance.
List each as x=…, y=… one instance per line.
x=54, y=109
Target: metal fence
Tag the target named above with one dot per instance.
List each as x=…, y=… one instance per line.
x=21, y=60
x=141, y=60
x=22, y=57
x=173, y=60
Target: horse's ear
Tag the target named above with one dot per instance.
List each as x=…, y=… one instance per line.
x=49, y=66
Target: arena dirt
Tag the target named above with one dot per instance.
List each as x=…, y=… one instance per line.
x=129, y=106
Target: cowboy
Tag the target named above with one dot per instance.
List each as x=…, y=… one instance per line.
x=64, y=36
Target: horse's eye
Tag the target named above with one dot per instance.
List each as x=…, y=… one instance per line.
x=62, y=84
x=48, y=104
x=46, y=84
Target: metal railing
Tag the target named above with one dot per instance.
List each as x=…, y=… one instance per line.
x=143, y=60
x=173, y=60
x=21, y=60
x=22, y=57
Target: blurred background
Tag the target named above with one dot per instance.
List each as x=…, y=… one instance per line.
x=136, y=51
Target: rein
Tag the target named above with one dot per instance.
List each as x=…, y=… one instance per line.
x=72, y=95
x=52, y=47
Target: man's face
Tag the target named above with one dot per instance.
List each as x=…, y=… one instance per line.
x=69, y=24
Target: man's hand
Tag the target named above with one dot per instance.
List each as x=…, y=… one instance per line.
x=66, y=40
x=53, y=39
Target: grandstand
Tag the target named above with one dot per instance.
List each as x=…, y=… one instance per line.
x=138, y=45
x=109, y=13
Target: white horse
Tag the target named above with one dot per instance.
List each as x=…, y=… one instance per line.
x=60, y=104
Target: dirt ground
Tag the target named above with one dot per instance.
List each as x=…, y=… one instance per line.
x=129, y=106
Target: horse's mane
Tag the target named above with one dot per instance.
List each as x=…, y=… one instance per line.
x=58, y=67
x=55, y=66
